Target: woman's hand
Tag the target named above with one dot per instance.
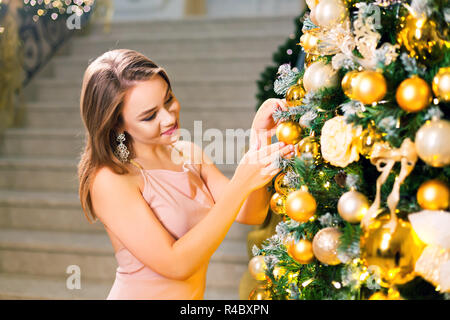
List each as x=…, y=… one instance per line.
x=263, y=126
x=256, y=167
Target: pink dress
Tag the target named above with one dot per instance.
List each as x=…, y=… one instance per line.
x=180, y=199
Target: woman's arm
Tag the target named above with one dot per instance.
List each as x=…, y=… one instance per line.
x=120, y=206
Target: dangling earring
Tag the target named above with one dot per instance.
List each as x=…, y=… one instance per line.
x=121, y=151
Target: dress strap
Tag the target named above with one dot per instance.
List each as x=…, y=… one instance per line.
x=136, y=164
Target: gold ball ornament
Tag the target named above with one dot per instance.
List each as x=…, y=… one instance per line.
x=309, y=145
x=300, y=205
x=352, y=206
x=432, y=143
x=257, y=268
x=422, y=40
x=319, y=75
x=348, y=83
x=260, y=292
x=413, y=94
x=301, y=251
x=328, y=13
x=441, y=84
x=367, y=139
x=325, y=245
x=433, y=195
x=294, y=95
x=289, y=132
x=278, y=203
x=393, y=253
x=309, y=42
x=368, y=86
x=280, y=185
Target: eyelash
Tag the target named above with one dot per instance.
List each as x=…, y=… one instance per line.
x=154, y=114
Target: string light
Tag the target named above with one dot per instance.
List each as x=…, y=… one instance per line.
x=307, y=282
x=336, y=284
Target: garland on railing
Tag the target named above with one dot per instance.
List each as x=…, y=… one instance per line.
x=11, y=76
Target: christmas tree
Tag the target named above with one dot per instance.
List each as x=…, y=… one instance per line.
x=364, y=201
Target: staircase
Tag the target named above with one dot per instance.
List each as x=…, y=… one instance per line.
x=213, y=66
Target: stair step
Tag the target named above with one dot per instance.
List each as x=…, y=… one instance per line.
x=20, y=286
x=15, y=286
x=60, y=117
x=44, y=175
x=230, y=106
x=61, y=211
x=151, y=48
x=64, y=143
x=26, y=251
x=196, y=25
x=186, y=91
x=51, y=174
x=248, y=68
x=48, y=211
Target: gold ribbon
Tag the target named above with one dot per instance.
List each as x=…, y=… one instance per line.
x=384, y=158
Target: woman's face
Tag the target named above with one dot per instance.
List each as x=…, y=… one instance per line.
x=150, y=109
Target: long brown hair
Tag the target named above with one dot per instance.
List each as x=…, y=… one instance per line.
x=105, y=83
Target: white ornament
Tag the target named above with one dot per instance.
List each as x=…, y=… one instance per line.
x=319, y=75
x=433, y=228
x=330, y=12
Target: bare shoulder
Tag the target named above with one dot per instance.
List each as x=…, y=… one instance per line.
x=107, y=180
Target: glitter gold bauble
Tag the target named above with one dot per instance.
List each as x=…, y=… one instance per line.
x=294, y=95
x=369, y=86
x=441, y=84
x=422, y=40
x=300, y=205
x=289, y=132
x=280, y=185
x=413, y=94
x=278, y=203
x=394, y=254
x=260, y=292
x=433, y=195
x=348, y=83
x=257, y=268
x=328, y=13
x=432, y=143
x=301, y=251
x=309, y=43
x=325, y=245
x=309, y=145
x=319, y=75
x=367, y=139
x=352, y=206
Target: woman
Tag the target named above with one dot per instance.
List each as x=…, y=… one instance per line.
x=164, y=220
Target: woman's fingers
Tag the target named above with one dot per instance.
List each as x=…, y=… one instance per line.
x=270, y=170
x=266, y=150
x=283, y=152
